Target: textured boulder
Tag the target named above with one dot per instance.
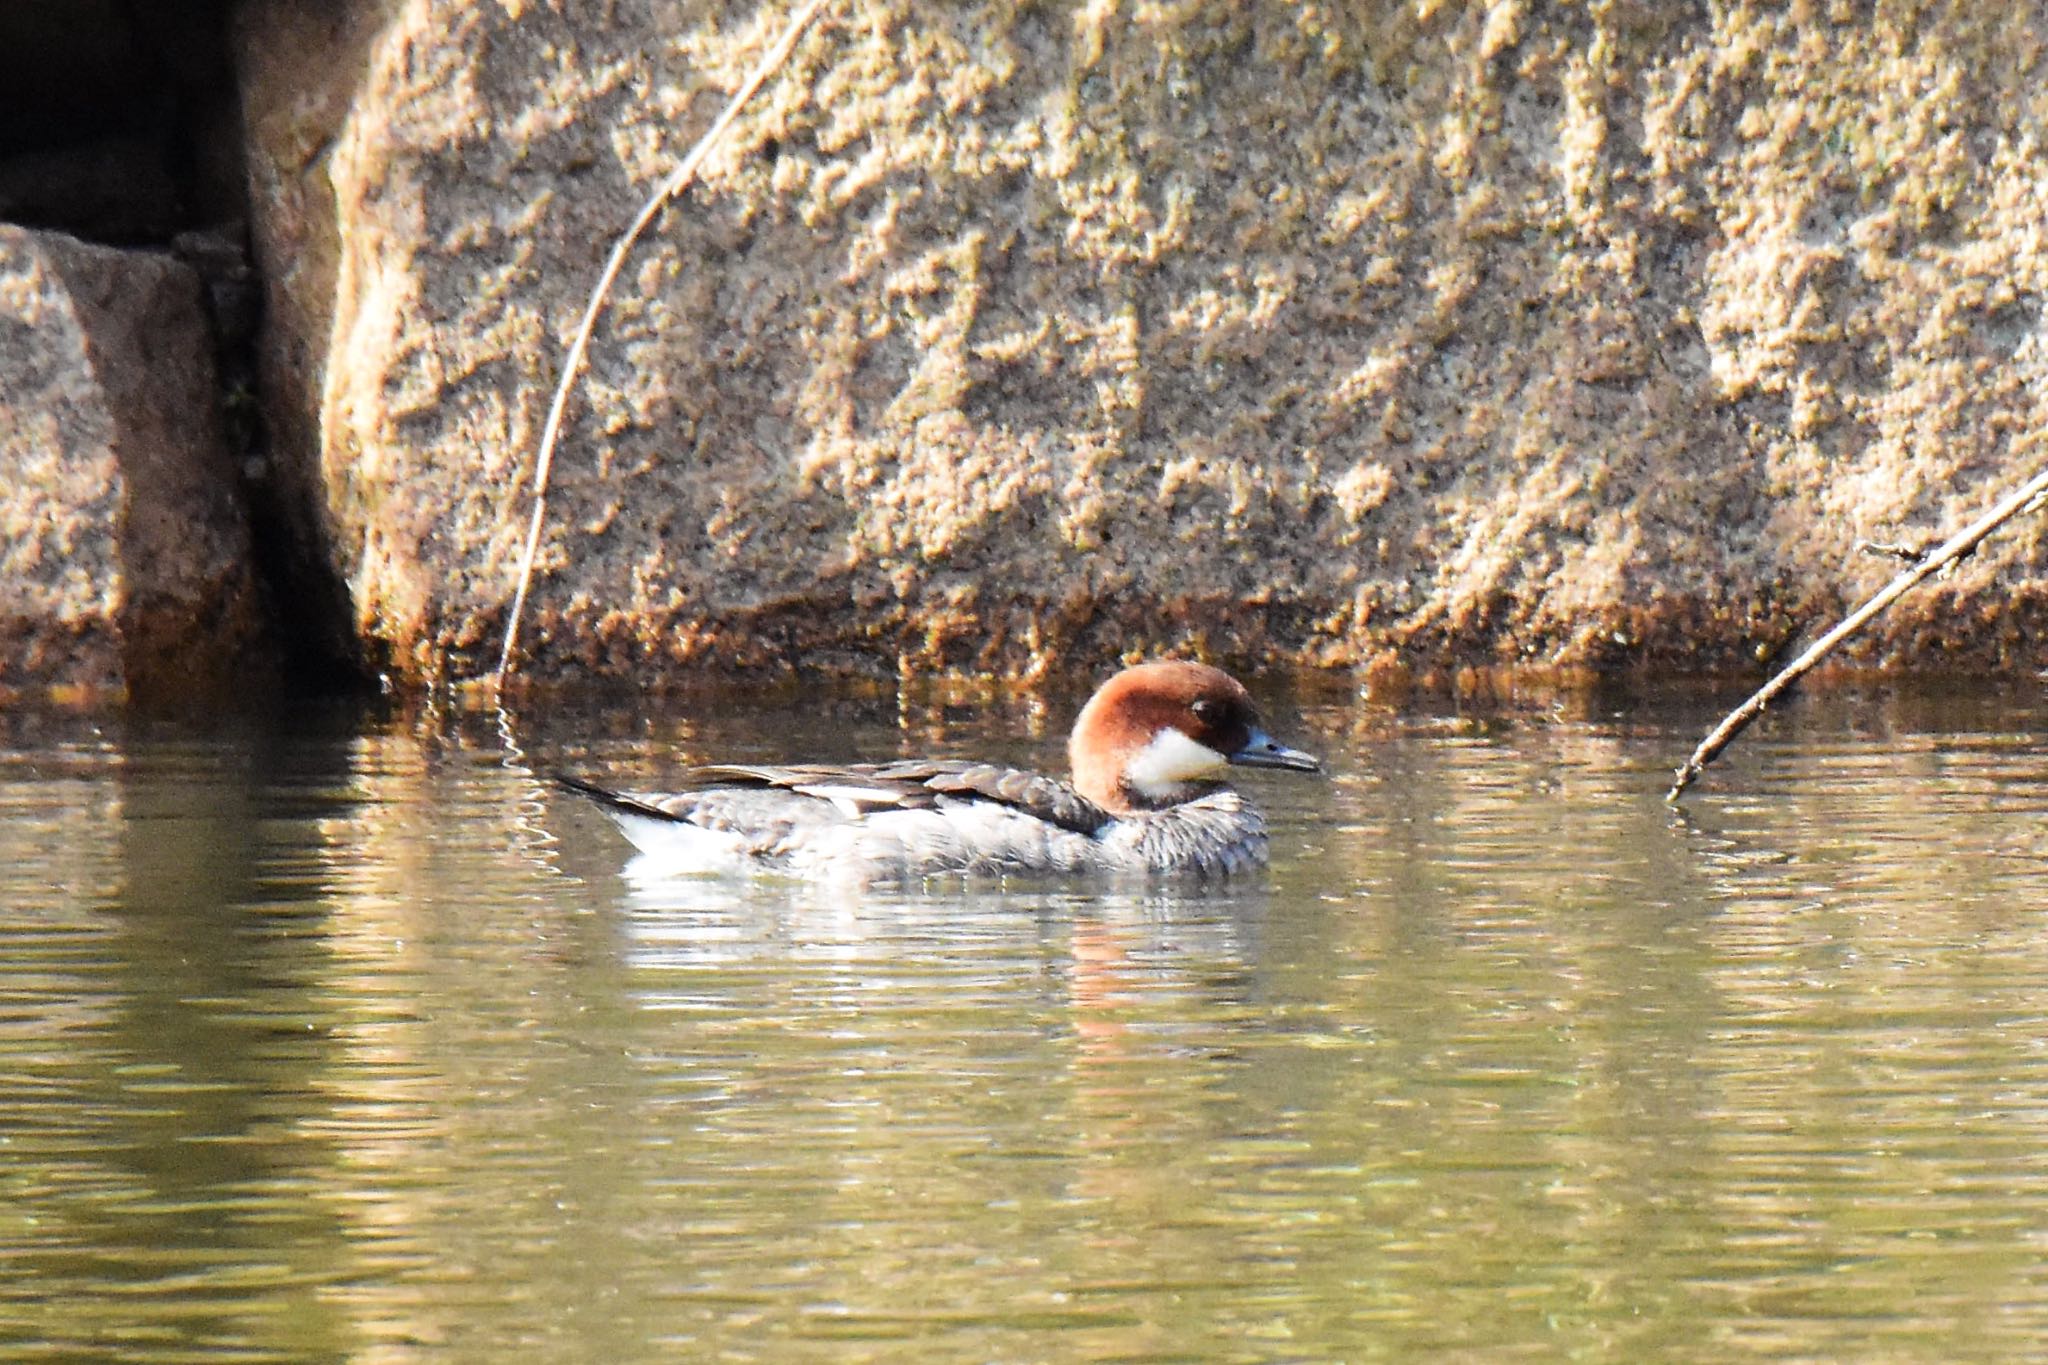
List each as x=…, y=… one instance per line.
x=124, y=563
x=1316, y=334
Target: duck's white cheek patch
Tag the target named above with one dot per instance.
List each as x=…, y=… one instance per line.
x=1170, y=762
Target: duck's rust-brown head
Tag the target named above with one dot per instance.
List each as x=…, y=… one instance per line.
x=1158, y=734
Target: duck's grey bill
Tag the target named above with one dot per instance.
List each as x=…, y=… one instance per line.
x=1263, y=751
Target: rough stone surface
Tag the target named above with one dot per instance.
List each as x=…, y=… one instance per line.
x=123, y=553
x=1397, y=332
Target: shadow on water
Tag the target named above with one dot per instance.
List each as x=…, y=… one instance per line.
x=340, y=1034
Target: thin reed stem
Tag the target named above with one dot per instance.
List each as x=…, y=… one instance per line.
x=572, y=362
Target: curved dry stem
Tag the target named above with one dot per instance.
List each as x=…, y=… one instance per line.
x=572, y=362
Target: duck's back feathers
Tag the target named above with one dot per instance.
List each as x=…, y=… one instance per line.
x=896, y=818
x=854, y=790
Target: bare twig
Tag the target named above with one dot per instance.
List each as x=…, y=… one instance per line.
x=1950, y=551
x=573, y=361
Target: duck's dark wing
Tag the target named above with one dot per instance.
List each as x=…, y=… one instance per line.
x=865, y=788
x=655, y=805
x=1047, y=798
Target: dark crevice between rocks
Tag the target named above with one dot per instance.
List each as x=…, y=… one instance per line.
x=121, y=125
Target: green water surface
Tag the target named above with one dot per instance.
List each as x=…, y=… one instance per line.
x=333, y=1035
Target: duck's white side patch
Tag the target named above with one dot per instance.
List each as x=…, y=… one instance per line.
x=849, y=801
x=1172, y=760
x=675, y=847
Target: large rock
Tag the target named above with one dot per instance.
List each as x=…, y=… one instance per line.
x=124, y=565
x=999, y=333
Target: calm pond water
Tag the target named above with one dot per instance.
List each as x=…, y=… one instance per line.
x=337, y=1035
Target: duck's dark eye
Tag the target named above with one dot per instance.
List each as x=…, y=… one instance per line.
x=1206, y=711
